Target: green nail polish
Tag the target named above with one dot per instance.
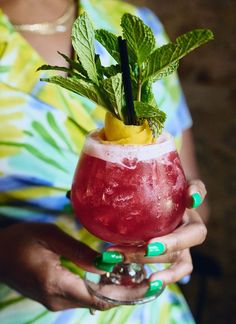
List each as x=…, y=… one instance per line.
x=155, y=288
x=197, y=200
x=112, y=257
x=155, y=249
x=99, y=264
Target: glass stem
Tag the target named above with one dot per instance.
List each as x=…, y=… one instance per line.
x=126, y=274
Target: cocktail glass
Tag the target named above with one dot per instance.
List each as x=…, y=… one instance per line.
x=127, y=195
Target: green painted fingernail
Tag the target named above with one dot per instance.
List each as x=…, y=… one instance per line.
x=99, y=264
x=155, y=249
x=112, y=257
x=197, y=200
x=155, y=288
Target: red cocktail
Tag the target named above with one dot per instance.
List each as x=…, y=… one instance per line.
x=128, y=194
x=131, y=193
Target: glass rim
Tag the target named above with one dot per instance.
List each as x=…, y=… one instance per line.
x=118, y=152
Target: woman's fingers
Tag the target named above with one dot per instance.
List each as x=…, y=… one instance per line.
x=134, y=256
x=64, y=245
x=196, y=193
x=192, y=232
x=179, y=269
x=166, y=248
x=74, y=289
x=62, y=290
x=116, y=292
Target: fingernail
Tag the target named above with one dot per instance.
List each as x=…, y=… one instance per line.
x=155, y=288
x=155, y=249
x=112, y=257
x=197, y=200
x=99, y=264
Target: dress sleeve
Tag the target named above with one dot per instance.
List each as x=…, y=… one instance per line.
x=168, y=91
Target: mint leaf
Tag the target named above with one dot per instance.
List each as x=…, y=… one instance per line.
x=144, y=110
x=194, y=39
x=164, y=60
x=147, y=93
x=156, y=126
x=109, y=41
x=140, y=38
x=111, y=70
x=74, y=64
x=99, y=67
x=81, y=87
x=168, y=69
x=113, y=88
x=69, y=71
x=83, y=42
x=155, y=117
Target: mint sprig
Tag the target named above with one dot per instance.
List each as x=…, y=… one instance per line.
x=83, y=35
x=140, y=38
x=109, y=41
x=165, y=60
x=113, y=88
x=103, y=85
x=81, y=87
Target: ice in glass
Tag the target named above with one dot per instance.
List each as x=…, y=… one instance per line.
x=128, y=194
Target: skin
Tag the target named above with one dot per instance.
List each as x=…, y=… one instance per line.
x=31, y=262
x=20, y=12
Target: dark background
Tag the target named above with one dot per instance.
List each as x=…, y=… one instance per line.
x=208, y=77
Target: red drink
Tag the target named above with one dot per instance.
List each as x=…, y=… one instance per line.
x=128, y=194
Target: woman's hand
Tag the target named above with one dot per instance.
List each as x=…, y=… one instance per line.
x=174, y=247
x=30, y=259
x=30, y=263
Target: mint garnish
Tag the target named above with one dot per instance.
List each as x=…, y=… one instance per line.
x=109, y=41
x=140, y=39
x=83, y=35
x=87, y=77
x=165, y=60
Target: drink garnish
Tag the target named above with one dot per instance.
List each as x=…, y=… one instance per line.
x=148, y=62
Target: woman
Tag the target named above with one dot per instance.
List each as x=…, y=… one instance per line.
x=40, y=145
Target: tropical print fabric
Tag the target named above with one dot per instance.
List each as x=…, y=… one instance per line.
x=42, y=130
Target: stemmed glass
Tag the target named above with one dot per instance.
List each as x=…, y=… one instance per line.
x=127, y=195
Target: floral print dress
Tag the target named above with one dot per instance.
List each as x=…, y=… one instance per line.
x=42, y=130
